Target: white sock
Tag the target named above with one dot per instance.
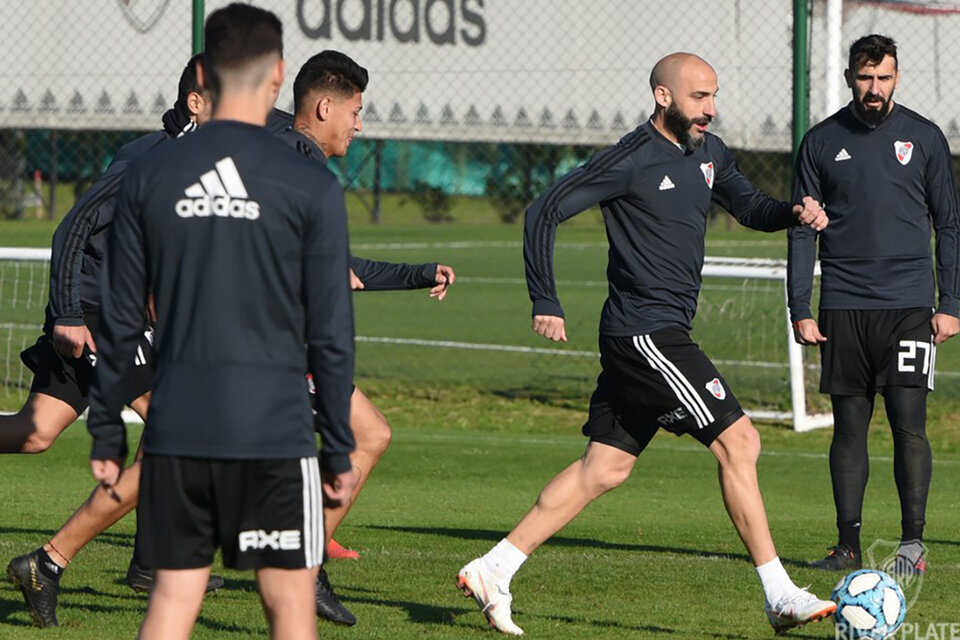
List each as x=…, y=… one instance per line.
x=776, y=583
x=504, y=560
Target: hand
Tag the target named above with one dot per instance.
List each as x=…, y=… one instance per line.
x=355, y=282
x=807, y=332
x=107, y=473
x=550, y=327
x=944, y=327
x=444, y=278
x=69, y=340
x=811, y=213
x=338, y=487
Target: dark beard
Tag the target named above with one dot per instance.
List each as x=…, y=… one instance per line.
x=679, y=125
x=870, y=117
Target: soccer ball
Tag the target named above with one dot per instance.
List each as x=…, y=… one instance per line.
x=870, y=605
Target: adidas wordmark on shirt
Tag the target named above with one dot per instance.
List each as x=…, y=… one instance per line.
x=219, y=192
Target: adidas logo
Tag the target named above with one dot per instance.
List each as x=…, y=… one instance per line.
x=220, y=192
x=843, y=155
x=666, y=183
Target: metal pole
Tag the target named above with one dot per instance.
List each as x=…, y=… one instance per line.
x=377, y=180
x=834, y=62
x=197, y=26
x=801, y=72
x=54, y=140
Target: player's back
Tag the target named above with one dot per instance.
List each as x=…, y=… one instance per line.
x=224, y=215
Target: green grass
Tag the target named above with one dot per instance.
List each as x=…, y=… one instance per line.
x=478, y=433
x=656, y=558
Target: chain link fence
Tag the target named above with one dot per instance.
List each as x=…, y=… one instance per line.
x=474, y=106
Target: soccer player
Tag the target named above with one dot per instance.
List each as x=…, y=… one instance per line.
x=328, y=97
x=243, y=244
x=63, y=358
x=886, y=176
x=654, y=188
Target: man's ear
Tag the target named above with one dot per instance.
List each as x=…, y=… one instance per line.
x=848, y=77
x=662, y=96
x=194, y=103
x=323, y=108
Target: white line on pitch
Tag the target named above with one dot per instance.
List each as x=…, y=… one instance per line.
x=515, y=244
x=448, y=344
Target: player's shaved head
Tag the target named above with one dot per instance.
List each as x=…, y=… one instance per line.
x=684, y=86
x=669, y=70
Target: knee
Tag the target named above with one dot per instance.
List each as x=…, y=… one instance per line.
x=376, y=437
x=740, y=445
x=599, y=481
x=37, y=442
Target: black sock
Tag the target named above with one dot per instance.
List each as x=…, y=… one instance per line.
x=850, y=535
x=48, y=567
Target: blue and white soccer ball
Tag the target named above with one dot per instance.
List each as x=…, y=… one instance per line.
x=870, y=605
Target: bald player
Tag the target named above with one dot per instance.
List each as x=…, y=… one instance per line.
x=654, y=188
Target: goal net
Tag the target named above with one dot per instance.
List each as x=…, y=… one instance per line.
x=741, y=323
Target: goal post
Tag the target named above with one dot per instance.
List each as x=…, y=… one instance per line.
x=775, y=270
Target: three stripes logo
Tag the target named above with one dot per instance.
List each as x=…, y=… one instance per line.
x=220, y=192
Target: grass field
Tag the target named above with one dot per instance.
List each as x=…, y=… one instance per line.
x=478, y=433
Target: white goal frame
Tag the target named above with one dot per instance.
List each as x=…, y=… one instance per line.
x=744, y=268
x=772, y=269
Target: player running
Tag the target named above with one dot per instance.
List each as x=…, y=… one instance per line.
x=654, y=188
x=244, y=246
x=63, y=358
x=328, y=97
x=886, y=176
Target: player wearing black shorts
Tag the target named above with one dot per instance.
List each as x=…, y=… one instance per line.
x=63, y=359
x=328, y=98
x=654, y=188
x=243, y=244
x=886, y=176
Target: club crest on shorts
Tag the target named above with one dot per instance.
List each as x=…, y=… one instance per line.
x=707, y=169
x=715, y=387
x=904, y=151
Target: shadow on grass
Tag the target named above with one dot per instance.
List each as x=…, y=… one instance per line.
x=573, y=399
x=42, y=535
x=563, y=541
x=11, y=602
x=954, y=543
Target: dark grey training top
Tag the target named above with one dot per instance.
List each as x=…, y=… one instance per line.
x=655, y=198
x=882, y=187
x=244, y=245
x=376, y=276
x=80, y=241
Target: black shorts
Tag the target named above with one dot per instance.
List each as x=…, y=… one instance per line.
x=658, y=380
x=260, y=513
x=869, y=349
x=68, y=379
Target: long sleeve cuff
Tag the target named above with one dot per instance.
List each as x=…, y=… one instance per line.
x=428, y=274
x=110, y=443
x=800, y=313
x=69, y=321
x=949, y=305
x=334, y=463
x=547, y=308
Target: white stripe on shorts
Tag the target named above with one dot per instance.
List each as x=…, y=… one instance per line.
x=933, y=363
x=312, y=513
x=684, y=391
